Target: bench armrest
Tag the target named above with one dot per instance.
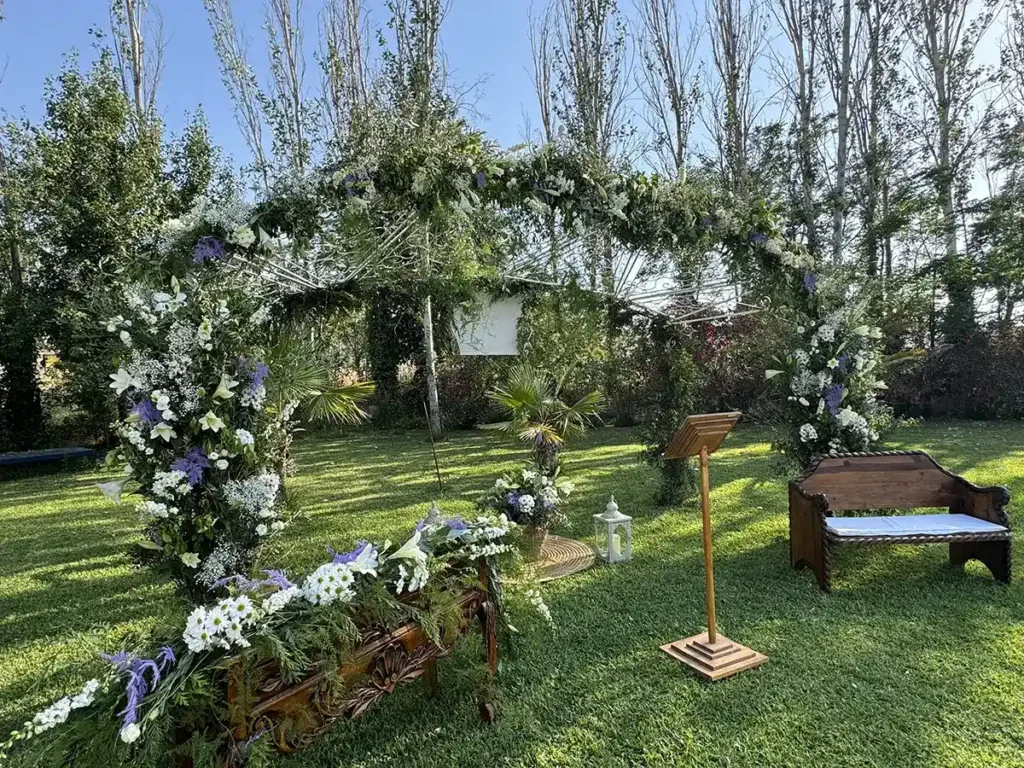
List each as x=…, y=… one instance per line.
x=983, y=503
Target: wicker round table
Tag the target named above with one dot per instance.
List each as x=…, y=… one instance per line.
x=561, y=557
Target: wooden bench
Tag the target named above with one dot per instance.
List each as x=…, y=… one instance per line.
x=47, y=455
x=976, y=526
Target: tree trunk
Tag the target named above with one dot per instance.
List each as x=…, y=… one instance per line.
x=433, y=404
x=842, y=137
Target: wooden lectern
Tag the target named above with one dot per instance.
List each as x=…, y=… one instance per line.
x=712, y=655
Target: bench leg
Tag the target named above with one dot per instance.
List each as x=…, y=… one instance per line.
x=431, y=677
x=489, y=627
x=995, y=555
x=808, y=546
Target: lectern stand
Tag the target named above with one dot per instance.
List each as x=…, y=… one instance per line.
x=712, y=655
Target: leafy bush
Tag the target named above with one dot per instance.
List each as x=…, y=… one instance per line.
x=670, y=390
x=463, y=383
x=981, y=379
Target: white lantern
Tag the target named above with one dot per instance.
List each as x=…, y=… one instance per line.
x=614, y=533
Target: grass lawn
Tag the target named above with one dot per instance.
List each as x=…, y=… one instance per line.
x=907, y=663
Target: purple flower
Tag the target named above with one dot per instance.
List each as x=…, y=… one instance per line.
x=121, y=660
x=844, y=363
x=274, y=579
x=481, y=180
x=833, y=397
x=136, y=669
x=257, y=374
x=350, y=557
x=707, y=221
x=147, y=412
x=810, y=282
x=456, y=523
x=208, y=248
x=278, y=579
x=192, y=464
x=759, y=238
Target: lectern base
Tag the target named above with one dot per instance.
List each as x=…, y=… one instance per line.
x=716, y=661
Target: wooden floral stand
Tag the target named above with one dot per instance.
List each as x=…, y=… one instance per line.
x=710, y=654
x=294, y=715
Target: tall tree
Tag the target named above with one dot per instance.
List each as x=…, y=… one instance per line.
x=668, y=81
x=232, y=47
x=738, y=33
x=592, y=79
x=285, y=104
x=876, y=111
x=945, y=36
x=139, y=39
x=21, y=413
x=841, y=28
x=542, y=55
x=345, y=63
x=801, y=21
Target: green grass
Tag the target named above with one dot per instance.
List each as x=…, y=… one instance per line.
x=907, y=663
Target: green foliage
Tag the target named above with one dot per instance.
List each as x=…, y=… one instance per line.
x=669, y=392
x=536, y=415
x=302, y=376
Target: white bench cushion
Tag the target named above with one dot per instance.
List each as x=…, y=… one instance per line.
x=910, y=525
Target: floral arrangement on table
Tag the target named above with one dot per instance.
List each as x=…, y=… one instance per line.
x=201, y=435
x=530, y=499
x=831, y=378
x=135, y=711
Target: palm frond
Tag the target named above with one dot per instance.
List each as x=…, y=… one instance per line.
x=339, y=405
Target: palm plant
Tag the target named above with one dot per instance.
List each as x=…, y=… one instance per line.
x=537, y=415
x=301, y=376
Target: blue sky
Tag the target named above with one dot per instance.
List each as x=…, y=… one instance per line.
x=482, y=38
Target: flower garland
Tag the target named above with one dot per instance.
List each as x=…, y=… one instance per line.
x=139, y=690
x=199, y=441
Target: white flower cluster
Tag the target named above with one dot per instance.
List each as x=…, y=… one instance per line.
x=482, y=537
x=411, y=579
x=151, y=509
x=539, y=605
x=256, y=495
x=278, y=600
x=330, y=583
x=59, y=712
x=222, y=561
x=220, y=626
x=849, y=418
x=168, y=485
x=232, y=217
x=808, y=433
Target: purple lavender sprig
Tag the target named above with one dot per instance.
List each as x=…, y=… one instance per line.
x=192, y=464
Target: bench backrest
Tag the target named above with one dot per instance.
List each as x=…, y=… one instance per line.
x=903, y=481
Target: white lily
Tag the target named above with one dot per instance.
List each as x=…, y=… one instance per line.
x=113, y=489
x=366, y=561
x=164, y=430
x=771, y=373
x=212, y=422
x=410, y=551
x=190, y=559
x=224, y=388
x=122, y=380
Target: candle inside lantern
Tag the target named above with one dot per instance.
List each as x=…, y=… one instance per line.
x=616, y=545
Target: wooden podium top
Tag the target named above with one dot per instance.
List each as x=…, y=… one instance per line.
x=699, y=431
